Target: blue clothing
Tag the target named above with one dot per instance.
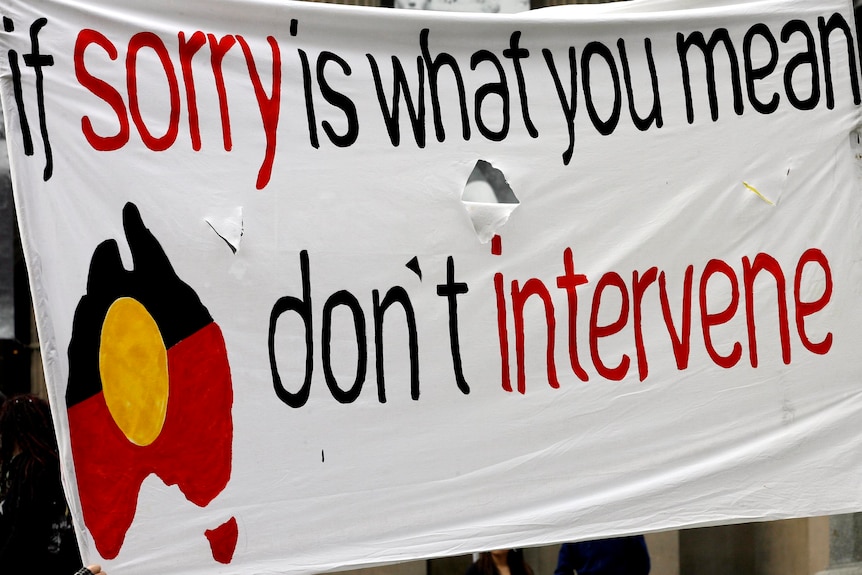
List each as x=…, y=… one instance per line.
x=615, y=556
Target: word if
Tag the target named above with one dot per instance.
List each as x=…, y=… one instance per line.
x=37, y=61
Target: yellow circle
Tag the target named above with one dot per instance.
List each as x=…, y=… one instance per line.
x=133, y=363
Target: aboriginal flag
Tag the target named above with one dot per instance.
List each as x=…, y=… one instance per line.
x=149, y=387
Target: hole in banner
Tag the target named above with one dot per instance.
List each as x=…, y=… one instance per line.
x=488, y=199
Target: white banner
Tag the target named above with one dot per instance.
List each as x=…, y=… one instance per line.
x=279, y=338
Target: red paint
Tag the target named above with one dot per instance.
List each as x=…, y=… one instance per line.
x=269, y=106
x=193, y=450
x=569, y=283
x=640, y=283
x=502, y=332
x=610, y=279
x=681, y=341
x=709, y=319
x=153, y=42
x=188, y=48
x=103, y=90
x=269, y=101
x=218, y=50
x=804, y=309
x=496, y=245
x=223, y=540
x=533, y=287
x=750, y=270
x=636, y=300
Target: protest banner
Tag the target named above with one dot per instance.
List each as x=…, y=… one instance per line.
x=278, y=339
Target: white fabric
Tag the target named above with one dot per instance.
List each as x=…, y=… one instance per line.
x=675, y=442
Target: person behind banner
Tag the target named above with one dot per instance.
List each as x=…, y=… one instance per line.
x=613, y=556
x=36, y=533
x=500, y=562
